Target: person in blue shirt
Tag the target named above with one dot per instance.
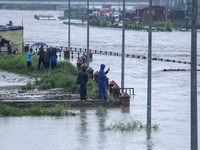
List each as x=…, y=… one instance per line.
x=102, y=82
x=29, y=59
x=53, y=61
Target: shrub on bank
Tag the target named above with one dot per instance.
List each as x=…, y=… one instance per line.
x=63, y=77
x=168, y=26
x=18, y=63
x=72, y=16
x=158, y=24
x=57, y=110
x=160, y=29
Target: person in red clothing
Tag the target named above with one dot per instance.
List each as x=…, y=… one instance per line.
x=186, y=24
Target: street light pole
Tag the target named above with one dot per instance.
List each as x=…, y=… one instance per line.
x=166, y=10
x=123, y=41
x=137, y=10
x=69, y=26
x=194, y=118
x=149, y=66
x=88, y=22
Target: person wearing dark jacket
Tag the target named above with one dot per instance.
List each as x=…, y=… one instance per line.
x=47, y=56
x=102, y=82
x=83, y=78
x=41, y=57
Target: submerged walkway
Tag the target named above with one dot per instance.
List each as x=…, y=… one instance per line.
x=51, y=103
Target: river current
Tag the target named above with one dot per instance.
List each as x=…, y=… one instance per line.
x=170, y=91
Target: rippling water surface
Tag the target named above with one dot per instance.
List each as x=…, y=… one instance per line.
x=170, y=91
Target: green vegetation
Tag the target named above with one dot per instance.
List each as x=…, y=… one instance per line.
x=101, y=111
x=72, y=16
x=158, y=24
x=132, y=125
x=28, y=86
x=58, y=110
x=64, y=77
x=168, y=26
x=160, y=29
x=18, y=64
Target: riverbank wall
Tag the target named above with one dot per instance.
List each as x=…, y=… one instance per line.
x=52, y=103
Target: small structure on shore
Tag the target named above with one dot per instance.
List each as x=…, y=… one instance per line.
x=11, y=38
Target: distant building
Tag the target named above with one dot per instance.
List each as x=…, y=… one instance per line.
x=158, y=13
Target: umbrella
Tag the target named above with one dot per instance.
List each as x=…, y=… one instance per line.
x=54, y=49
x=39, y=43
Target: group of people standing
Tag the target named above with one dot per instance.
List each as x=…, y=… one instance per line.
x=83, y=79
x=44, y=58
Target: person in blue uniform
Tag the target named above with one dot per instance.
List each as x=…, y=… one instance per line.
x=83, y=78
x=102, y=82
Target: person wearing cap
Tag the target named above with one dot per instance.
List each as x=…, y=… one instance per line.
x=29, y=54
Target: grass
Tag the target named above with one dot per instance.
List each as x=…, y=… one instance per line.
x=132, y=125
x=101, y=111
x=24, y=91
x=64, y=77
x=58, y=110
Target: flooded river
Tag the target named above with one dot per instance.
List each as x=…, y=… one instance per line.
x=170, y=91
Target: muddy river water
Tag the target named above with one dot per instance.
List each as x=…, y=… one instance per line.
x=170, y=91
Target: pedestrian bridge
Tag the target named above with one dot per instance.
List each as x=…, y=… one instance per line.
x=77, y=2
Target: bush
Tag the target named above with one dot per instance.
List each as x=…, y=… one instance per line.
x=158, y=24
x=72, y=16
x=93, y=89
x=64, y=77
x=28, y=86
x=168, y=26
x=160, y=29
x=58, y=110
x=18, y=63
x=103, y=23
x=116, y=25
x=178, y=25
x=110, y=25
x=95, y=22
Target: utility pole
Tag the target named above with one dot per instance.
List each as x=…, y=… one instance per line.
x=137, y=10
x=123, y=41
x=198, y=10
x=185, y=8
x=149, y=66
x=166, y=10
x=194, y=118
x=69, y=26
x=88, y=22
